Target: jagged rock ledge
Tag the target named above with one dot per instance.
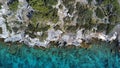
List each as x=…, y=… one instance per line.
x=60, y=36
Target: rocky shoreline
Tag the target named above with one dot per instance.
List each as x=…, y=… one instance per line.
x=60, y=36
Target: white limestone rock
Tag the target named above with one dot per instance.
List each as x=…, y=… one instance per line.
x=35, y=42
x=80, y=34
x=68, y=38
x=82, y=1
x=77, y=42
x=15, y=38
x=23, y=9
x=115, y=33
x=5, y=32
x=114, y=37
x=102, y=37
x=54, y=35
x=22, y=1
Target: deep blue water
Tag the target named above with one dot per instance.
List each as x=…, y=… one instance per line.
x=97, y=56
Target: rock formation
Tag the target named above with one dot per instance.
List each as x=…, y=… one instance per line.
x=65, y=21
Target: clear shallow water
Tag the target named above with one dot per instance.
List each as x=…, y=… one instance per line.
x=25, y=57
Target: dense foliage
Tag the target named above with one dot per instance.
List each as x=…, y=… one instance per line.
x=109, y=8
x=0, y=5
x=44, y=10
x=13, y=5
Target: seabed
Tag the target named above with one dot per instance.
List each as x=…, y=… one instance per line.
x=100, y=55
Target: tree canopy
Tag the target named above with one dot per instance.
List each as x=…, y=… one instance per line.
x=44, y=10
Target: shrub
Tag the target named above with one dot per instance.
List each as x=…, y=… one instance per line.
x=44, y=10
x=13, y=6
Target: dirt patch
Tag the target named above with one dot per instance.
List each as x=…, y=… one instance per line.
x=0, y=30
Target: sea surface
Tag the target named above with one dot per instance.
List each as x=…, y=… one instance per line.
x=22, y=56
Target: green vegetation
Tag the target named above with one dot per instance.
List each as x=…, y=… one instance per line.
x=15, y=29
x=109, y=28
x=112, y=19
x=112, y=10
x=116, y=9
x=60, y=6
x=99, y=13
x=116, y=6
x=67, y=19
x=89, y=1
x=43, y=27
x=0, y=30
x=69, y=4
x=70, y=28
x=57, y=27
x=101, y=27
x=44, y=10
x=44, y=36
x=38, y=28
x=13, y=6
x=84, y=14
x=0, y=5
x=71, y=9
x=110, y=4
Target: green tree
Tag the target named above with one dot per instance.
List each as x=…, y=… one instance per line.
x=14, y=5
x=44, y=10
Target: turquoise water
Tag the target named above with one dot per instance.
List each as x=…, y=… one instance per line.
x=98, y=56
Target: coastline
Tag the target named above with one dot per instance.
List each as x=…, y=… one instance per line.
x=24, y=56
x=59, y=34
x=15, y=28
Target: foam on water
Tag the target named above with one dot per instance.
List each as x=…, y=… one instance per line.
x=98, y=56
